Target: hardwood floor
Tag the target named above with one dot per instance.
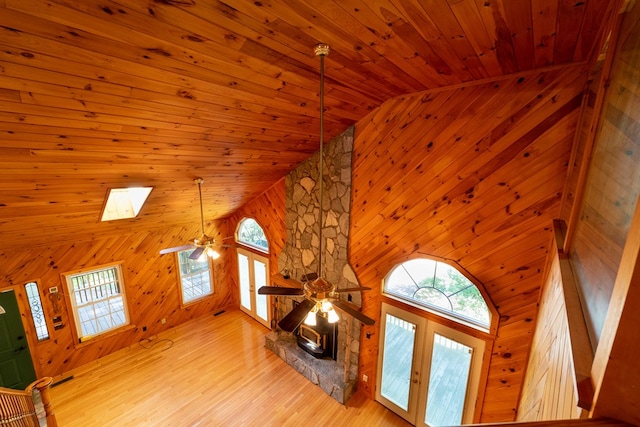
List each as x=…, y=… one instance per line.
x=213, y=371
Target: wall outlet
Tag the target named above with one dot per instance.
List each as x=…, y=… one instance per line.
x=365, y=378
x=163, y=321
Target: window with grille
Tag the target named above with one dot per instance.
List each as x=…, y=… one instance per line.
x=98, y=300
x=438, y=287
x=37, y=313
x=251, y=234
x=195, y=276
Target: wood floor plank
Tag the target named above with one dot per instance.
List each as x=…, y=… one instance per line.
x=212, y=371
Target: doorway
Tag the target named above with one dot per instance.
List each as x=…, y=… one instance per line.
x=427, y=373
x=16, y=366
x=253, y=270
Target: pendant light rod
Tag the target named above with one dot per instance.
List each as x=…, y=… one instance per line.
x=199, y=181
x=321, y=50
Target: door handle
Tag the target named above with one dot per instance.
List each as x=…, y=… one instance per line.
x=19, y=337
x=20, y=349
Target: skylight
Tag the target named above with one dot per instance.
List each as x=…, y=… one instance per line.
x=124, y=203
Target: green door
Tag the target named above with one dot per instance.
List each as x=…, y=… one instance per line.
x=16, y=367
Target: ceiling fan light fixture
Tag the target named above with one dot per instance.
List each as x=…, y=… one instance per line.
x=212, y=253
x=310, y=320
x=332, y=316
x=326, y=306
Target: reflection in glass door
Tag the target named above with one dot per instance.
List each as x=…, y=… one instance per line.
x=252, y=275
x=448, y=379
x=427, y=373
x=398, y=365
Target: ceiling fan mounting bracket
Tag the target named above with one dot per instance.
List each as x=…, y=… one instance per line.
x=322, y=49
x=319, y=289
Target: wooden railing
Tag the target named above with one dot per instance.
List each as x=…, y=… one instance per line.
x=17, y=407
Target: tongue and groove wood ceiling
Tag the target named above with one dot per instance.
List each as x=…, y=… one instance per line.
x=97, y=94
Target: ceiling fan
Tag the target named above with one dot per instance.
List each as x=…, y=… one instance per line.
x=202, y=245
x=320, y=296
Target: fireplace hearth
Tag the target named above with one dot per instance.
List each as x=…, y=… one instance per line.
x=325, y=373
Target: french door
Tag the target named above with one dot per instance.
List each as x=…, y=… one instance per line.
x=427, y=373
x=253, y=270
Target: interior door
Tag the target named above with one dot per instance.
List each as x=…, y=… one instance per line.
x=428, y=374
x=16, y=366
x=253, y=273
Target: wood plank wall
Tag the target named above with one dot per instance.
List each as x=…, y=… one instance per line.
x=548, y=391
x=269, y=211
x=613, y=182
x=598, y=232
x=473, y=174
x=151, y=284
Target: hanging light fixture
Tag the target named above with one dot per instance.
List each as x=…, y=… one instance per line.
x=326, y=307
x=311, y=317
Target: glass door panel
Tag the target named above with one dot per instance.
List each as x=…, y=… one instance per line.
x=398, y=370
x=448, y=379
x=253, y=274
x=245, y=281
x=262, y=301
x=399, y=342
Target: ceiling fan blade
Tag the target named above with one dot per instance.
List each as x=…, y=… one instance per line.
x=292, y=320
x=176, y=249
x=349, y=309
x=196, y=253
x=363, y=288
x=277, y=290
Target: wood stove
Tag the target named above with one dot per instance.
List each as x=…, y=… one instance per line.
x=319, y=340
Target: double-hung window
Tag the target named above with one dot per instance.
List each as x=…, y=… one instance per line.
x=98, y=300
x=195, y=276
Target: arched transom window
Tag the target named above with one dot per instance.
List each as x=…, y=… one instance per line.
x=251, y=234
x=439, y=287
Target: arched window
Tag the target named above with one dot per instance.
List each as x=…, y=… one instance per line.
x=251, y=234
x=438, y=287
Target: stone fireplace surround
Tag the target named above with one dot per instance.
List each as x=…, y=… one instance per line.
x=300, y=256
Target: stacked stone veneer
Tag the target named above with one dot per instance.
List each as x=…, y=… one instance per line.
x=301, y=255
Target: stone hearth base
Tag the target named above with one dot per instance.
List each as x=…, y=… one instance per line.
x=327, y=374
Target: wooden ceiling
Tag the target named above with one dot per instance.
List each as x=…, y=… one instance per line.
x=99, y=94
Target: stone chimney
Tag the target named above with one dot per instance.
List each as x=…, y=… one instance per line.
x=301, y=250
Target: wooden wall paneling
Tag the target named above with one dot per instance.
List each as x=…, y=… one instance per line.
x=269, y=211
x=446, y=179
x=610, y=186
x=151, y=286
x=407, y=203
x=549, y=392
x=544, y=29
x=601, y=63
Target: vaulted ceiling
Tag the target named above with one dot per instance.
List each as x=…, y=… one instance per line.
x=98, y=94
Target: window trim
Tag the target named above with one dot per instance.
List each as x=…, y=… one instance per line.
x=210, y=268
x=490, y=329
x=249, y=244
x=76, y=330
